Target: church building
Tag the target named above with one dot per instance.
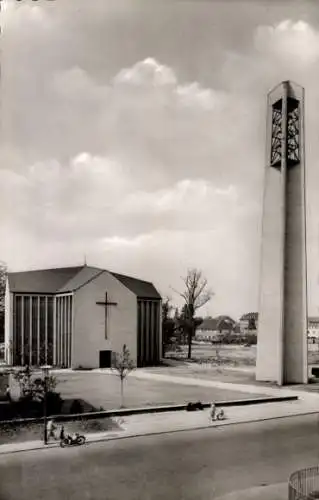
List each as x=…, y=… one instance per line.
x=78, y=317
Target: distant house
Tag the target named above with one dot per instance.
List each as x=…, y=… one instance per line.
x=215, y=328
x=248, y=323
x=313, y=327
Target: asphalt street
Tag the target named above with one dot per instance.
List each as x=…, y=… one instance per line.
x=185, y=465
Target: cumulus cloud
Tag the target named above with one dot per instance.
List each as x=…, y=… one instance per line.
x=293, y=42
x=94, y=197
x=147, y=72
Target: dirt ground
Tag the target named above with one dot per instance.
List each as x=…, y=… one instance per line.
x=236, y=355
x=35, y=432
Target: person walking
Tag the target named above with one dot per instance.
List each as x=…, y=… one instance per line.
x=62, y=433
x=213, y=411
x=51, y=427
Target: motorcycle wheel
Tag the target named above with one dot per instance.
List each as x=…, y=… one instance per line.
x=64, y=443
x=81, y=440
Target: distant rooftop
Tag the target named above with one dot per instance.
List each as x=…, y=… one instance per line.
x=214, y=324
x=70, y=279
x=313, y=319
x=248, y=316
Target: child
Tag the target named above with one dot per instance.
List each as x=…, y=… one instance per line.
x=213, y=411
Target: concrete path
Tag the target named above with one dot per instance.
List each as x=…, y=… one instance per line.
x=145, y=374
x=248, y=388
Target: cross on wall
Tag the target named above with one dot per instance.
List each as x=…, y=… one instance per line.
x=106, y=304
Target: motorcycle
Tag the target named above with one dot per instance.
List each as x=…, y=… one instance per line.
x=76, y=440
x=219, y=415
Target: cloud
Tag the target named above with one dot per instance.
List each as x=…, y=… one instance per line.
x=292, y=42
x=91, y=205
x=76, y=84
x=95, y=197
x=144, y=150
x=148, y=72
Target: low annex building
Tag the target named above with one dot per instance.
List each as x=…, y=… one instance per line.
x=78, y=316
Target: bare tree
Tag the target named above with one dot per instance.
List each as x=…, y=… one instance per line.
x=123, y=365
x=195, y=296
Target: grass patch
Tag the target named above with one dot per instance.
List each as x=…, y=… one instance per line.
x=34, y=431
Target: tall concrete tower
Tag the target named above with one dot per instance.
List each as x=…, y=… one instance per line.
x=282, y=323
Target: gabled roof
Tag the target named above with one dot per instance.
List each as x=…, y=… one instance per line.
x=142, y=289
x=69, y=279
x=209, y=324
x=226, y=319
x=81, y=278
x=41, y=281
x=214, y=324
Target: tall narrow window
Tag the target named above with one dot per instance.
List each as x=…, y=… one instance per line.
x=50, y=332
x=42, y=330
x=276, y=134
x=145, y=331
x=26, y=329
x=34, y=335
x=139, y=332
x=17, y=344
x=293, y=133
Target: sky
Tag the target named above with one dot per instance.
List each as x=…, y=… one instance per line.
x=133, y=133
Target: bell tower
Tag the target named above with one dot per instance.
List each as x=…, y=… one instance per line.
x=282, y=324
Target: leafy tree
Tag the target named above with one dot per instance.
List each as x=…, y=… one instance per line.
x=195, y=295
x=123, y=365
x=34, y=389
x=31, y=386
x=168, y=324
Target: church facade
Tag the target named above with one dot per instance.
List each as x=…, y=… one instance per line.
x=78, y=317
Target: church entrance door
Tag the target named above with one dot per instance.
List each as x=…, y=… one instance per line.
x=105, y=359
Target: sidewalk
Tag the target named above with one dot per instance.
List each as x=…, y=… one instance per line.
x=146, y=374
x=177, y=421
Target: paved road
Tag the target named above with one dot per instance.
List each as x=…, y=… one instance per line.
x=185, y=465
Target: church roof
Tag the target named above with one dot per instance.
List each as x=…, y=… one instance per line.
x=41, y=281
x=143, y=289
x=68, y=279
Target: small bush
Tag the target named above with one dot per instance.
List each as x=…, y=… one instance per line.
x=194, y=406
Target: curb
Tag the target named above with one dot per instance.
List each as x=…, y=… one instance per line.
x=173, y=431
